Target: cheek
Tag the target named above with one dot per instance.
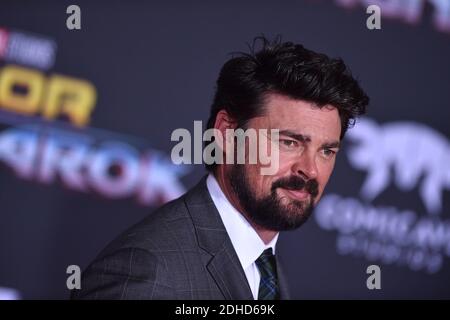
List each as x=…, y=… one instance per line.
x=264, y=182
x=258, y=183
x=285, y=163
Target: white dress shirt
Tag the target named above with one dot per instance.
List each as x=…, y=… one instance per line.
x=246, y=242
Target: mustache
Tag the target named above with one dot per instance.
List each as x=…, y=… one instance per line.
x=297, y=183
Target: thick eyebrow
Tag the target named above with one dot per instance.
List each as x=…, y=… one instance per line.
x=297, y=136
x=331, y=145
x=305, y=138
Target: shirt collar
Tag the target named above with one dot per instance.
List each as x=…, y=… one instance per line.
x=246, y=242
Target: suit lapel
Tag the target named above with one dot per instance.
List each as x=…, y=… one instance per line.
x=224, y=266
x=229, y=276
x=282, y=281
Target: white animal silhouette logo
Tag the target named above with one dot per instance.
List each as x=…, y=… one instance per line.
x=410, y=151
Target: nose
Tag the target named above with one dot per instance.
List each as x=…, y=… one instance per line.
x=306, y=166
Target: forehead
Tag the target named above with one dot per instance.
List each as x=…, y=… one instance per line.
x=284, y=113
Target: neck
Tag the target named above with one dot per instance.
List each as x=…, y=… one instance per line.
x=266, y=235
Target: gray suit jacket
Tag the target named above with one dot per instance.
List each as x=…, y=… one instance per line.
x=181, y=251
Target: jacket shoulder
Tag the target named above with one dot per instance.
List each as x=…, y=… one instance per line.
x=166, y=229
x=136, y=265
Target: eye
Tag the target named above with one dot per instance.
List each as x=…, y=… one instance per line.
x=290, y=144
x=328, y=153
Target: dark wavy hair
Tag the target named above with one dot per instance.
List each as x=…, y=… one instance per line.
x=289, y=69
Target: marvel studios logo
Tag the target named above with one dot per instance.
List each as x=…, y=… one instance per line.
x=27, y=49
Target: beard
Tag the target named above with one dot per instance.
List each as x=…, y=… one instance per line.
x=271, y=212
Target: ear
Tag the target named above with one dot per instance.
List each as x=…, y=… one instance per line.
x=224, y=121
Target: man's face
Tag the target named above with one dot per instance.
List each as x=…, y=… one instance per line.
x=308, y=142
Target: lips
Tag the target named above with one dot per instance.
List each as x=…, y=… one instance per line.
x=297, y=194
